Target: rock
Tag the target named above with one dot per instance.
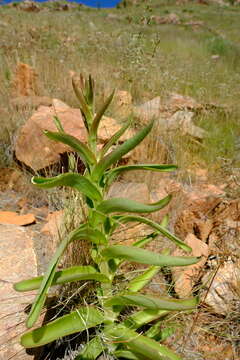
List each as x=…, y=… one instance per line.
x=18, y=262
x=166, y=186
x=149, y=110
x=53, y=225
x=25, y=82
x=172, y=114
x=29, y=6
x=185, y=277
x=193, y=222
x=182, y=121
x=168, y=19
x=175, y=102
x=59, y=105
x=122, y=104
x=35, y=150
x=108, y=126
x=28, y=102
x=222, y=296
x=9, y=217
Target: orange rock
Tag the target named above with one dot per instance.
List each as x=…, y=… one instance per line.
x=9, y=217
x=18, y=262
x=186, y=277
x=52, y=227
x=25, y=82
x=35, y=150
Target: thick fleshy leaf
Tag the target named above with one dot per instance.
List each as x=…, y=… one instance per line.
x=79, y=320
x=91, y=350
x=157, y=333
x=154, y=303
x=85, y=110
x=98, y=116
x=144, y=317
x=76, y=181
x=82, y=233
x=84, y=152
x=74, y=273
x=115, y=137
x=146, y=240
x=143, y=256
x=151, y=167
x=126, y=354
x=120, y=151
x=140, y=344
x=142, y=280
x=127, y=205
x=58, y=124
x=90, y=92
x=131, y=218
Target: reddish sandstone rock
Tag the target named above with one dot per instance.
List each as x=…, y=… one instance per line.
x=35, y=150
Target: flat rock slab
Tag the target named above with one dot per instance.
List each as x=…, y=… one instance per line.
x=10, y=217
x=17, y=262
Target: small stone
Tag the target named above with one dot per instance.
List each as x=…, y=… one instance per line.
x=9, y=217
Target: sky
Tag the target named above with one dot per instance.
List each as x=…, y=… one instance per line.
x=92, y=3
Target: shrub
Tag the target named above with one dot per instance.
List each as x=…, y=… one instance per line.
x=118, y=312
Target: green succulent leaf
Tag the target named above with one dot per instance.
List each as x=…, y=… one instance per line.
x=91, y=350
x=115, y=137
x=152, y=167
x=146, y=240
x=126, y=354
x=90, y=92
x=73, y=180
x=79, y=320
x=85, y=110
x=74, y=273
x=131, y=218
x=141, y=344
x=143, y=256
x=58, y=124
x=120, y=151
x=98, y=116
x=127, y=205
x=142, y=280
x=82, y=233
x=151, y=302
x=144, y=317
x=84, y=152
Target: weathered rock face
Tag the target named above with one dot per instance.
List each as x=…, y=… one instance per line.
x=185, y=277
x=168, y=19
x=18, y=262
x=122, y=104
x=35, y=150
x=172, y=114
x=223, y=296
x=25, y=81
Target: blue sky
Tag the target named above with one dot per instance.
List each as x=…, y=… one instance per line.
x=92, y=3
